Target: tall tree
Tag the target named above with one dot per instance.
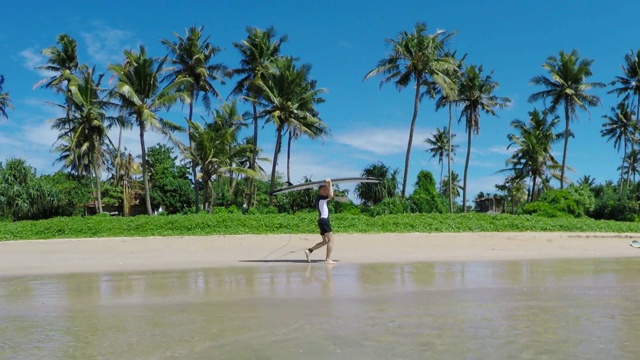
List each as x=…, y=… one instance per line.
x=629, y=82
x=449, y=99
x=622, y=128
x=62, y=62
x=451, y=186
x=289, y=99
x=143, y=95
x=475, y=95
x=532, y=157
x=566, y=85
x=87, y=125
x=440, y=147
x=258, y=51
x=191, y=58
x=5, y=100
x=418, y=58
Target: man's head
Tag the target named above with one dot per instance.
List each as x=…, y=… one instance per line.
x=323, y=190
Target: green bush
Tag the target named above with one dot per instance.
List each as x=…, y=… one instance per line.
x=425, y=198
x=388, y=206
x=555, y=203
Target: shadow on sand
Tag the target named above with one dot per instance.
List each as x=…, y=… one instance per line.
x=285, y=261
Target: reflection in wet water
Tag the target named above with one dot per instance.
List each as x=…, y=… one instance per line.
x=562, y=309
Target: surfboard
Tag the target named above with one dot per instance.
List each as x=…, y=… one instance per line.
x=312, y=184
x=635, y=244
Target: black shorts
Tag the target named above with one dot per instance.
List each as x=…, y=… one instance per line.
x=324, y=225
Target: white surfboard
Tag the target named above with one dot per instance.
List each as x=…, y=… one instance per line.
x=313, y=184
x=635, y=244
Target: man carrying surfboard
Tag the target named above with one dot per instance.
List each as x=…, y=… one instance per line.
x=325, y=193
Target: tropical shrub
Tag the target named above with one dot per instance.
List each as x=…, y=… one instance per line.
x=425, y=197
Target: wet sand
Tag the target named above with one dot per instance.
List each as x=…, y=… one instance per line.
x=176, y=253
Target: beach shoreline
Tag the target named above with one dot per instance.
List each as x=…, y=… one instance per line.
x=45, y=257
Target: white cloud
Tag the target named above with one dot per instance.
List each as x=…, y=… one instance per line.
x=502, y=150
x=382, y=141
x=32, y=59
x=105, y=44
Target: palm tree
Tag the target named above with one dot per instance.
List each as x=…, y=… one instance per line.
x=566, y=85
x=142, y=94
x=289, y=99
x=373, y=193
x=449, y=99
x=440, y=147
x=587, y=180
x=622, y=128
x=5, y=100
x=62, y=62
x=215, y=150
x=450, y=186
x=191, y=59
x=258, y=51
x=475, y=95
x=87, y=125
x=630, y=81
x=533, y=157
x=417, y=58
x=632, y=164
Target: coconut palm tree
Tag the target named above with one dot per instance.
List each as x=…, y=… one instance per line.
x=142, y=95
x=632, y=164
x=88, y=124
x=258, y=51
x=566, y=85
x=448, y=100
x=289, y=99
x=622, y=128
x=587, y=180
x=5, y=100
x=629, y=83
x=420, y=59
x=191, y=58
x=532, y=157
x=475, y=95
x=440, y=147
x=62, y=62
x=451, y=186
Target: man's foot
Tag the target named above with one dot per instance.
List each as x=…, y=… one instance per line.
x=329, y=261
x=307, y=254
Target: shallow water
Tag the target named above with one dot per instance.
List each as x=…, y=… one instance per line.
x=553, y=309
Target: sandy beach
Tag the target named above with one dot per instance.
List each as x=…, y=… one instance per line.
x=176, y=253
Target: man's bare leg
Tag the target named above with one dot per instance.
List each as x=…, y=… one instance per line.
x=316, y=247
x=329, y=238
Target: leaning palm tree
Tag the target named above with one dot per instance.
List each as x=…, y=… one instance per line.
x=192, y=58
x=142, y=95
x=475, y=95
x=420, y=59
x=632, y=165
x=258, y=51
x=622, y=128
x=533, y=155
x=289, y=99
x=566, y=85
x=629, y=83
x=440, y=147
x=88, y=125
x=5, y=100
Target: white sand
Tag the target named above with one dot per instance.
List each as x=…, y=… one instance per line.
x=170, y=253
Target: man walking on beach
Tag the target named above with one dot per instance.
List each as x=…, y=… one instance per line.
x=325, y=193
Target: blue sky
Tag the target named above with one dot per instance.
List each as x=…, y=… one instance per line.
x=342, y=40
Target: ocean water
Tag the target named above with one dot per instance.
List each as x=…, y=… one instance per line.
x=551, y=309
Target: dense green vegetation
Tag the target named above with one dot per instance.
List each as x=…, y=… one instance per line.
x=301, y=223
x=218, y=171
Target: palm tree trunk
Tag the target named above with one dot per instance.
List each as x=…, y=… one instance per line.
x=254, y=156
x=118, y=167
x=441, y=170
x=449, y=163
x=275, y=164
x=566, y=142
x=466, y=167
x=145, y=176
x=96, y=171
x=289, y=156
x=416, y=101
x=193, y=163
x=624, y=159
x=629, y=166
x=533, y=188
